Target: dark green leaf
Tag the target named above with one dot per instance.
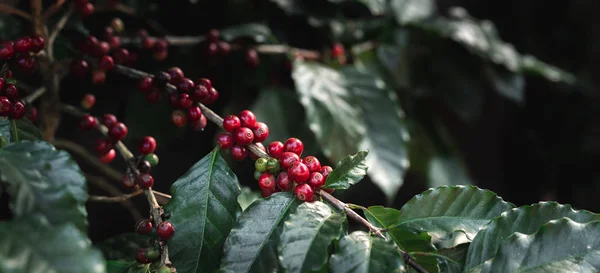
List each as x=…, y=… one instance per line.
x=449, y=260
x=121, y=246
x=258, y=32
x=559, y=246
x=203, y=209
x=481, y=38
x=306, y=236
x=36, y=246
x=360, y=252
x=410, y=11
x=408, y=240
x=348, y=171
x=10, y=26
x=26, y=130
x=291, y=7
x=332, y=110
x=41, y=179
x=252, y=244
x=118, y=266
x=525, y=220
x=388, y=157
x=247, y=197
x=446, y=210
x=508, y=84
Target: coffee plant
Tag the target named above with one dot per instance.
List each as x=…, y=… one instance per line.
x=325, y=118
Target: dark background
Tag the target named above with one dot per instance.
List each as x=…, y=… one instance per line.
x=545, y=149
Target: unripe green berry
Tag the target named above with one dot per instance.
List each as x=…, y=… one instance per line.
x=164, y=269
x=152, y=253
x=261, y=164
x=273, y=165
x=257, y=174
x=152, y=159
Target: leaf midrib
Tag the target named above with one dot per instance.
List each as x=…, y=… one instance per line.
x=436, y=217
x=312, y=240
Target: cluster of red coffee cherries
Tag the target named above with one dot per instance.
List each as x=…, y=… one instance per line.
x=18, y=52
x=11, y=105
x=164, y=231
x=242, y=130
x=218, y=47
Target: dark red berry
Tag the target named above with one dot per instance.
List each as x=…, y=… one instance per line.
x=148, y=42
x=161, y=79
x=260, y=146
x=316, y=180
x=248, y=119
x=176, y=75
x=243, y=136
x=88, y=101
x=238, y=152
x=18, y=110
x=7, y=50
x=325, y=171
x=160, y=45
x=287, y=159
x=261, y=132
x=23, y=44
x=298, y=172
x=267, y=193
x=184, y=101
x=89, y=44
x=101, y=49
x=173, y=99
x=199, y=93
x=283, y=182
x=2, y=84
x=194, y=113
x=312, y=163
x=98, y=76
x=114, y=42
x=178, y=118
x=213, y=35
x=32, y=114
x=223, y=48
x=165, y=231
x=154, y=96
x=86, y=10
x=11, y=92
x=144, y=166
x=275, y=149
x=109, y=120
x=144, y=226
x=121, y=56
x=127, y=182
x=225, y=140
x=145, y=85
x=304, y=192
x=212, y=49
x=104, y=146
x=142, y=33
x=185, y=85
x=337, y=50
x=252, y=58
x=107, y=32
x=79, y=68
x=231, y=123
x=5, y=106
x=118, y=131
x=106, y=63
x=205, y=82
x=200, y=124
x=147, y=145
x=212, y=97
x=37, y=44
x=145, y=181
x=26, y=63
x=266, y=181
x=88, y=122
x=140, y=257
x=294, y=145
x=108, y=157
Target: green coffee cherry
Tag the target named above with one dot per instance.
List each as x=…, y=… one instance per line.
x=261, y=164
x=152, y=253
x=164, y=269
x=257, y=174
x=152, y=159
x=273, y=165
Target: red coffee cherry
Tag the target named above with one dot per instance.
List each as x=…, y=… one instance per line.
x=104, y=146
x=283, y=182
x=194, y=113
x=304, y=192
x=225, y=140
x=275, y=149
x=287, y=159
x=144, y=227
x=243, y=136
x=88, y=122
x=18, y=110
x=200, y=124
x=238, y=152
x=179, y=118
x=7, y=50
x=37, y=44
x=165, y=231
x=261, y=132
x=118, y=131
x=231, y=123
x=78, y=67
x=127, y=182
x=316, y=180
x=109, y=120
x=298, y=172
x=293, y=145
x=11, y=92
x=248, y=119
x=312, y=163
x=23, y=44
x=108, y=157
x=5, y=106
x=147, y=145
x=325, y=170
x=88, y=101
x=145, y=85
x=145, y=181
x=176, y=75
x=106, y=63
x=266, y=181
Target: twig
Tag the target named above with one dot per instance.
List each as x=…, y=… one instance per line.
x=59, y=26
x=89, y=157
x=114, y=199
x=101, y=183
x=35, y=95
x=155, y=209
x=212, y=116
x=8, y=9
x=159, y=195
x=36, y=13
x=264, y=49
x=53, y=9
